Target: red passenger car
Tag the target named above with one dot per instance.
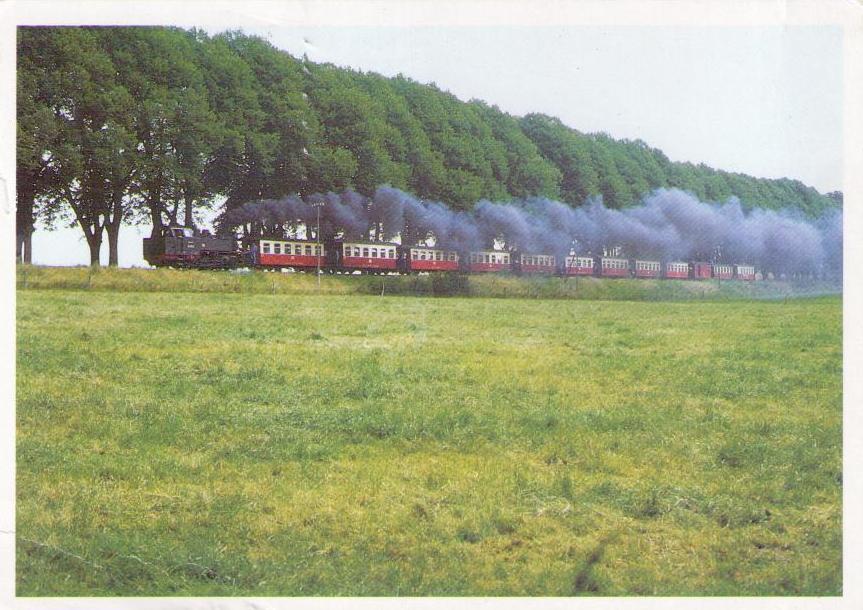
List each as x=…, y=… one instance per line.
x=647, y=269
x=723, y=272
x=537, y=263
x=700, y=271
x=295, y=254
x=745, y=272
x=420, y=258
x=614, y=267
x=489, y=261
x=366, y=256
x=578, y=265
x=677, y=271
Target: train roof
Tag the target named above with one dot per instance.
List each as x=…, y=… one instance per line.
x=362, y=242
x=442, y=249
x=310, y=241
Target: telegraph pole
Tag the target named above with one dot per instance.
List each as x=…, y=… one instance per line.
x=318, y=245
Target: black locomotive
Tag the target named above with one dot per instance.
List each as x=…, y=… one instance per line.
x=185, y=247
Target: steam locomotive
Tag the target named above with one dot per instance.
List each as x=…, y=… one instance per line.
x=188, y=248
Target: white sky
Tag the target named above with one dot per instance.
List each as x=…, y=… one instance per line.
x=765, y=101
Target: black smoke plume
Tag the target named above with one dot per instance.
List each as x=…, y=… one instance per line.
x=668, y=225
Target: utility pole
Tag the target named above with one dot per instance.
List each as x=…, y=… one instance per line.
x=318, y=245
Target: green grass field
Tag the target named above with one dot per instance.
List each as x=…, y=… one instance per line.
x=287, y=444
x=489, y=285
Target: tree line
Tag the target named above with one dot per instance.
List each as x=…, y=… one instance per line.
x=150, y=125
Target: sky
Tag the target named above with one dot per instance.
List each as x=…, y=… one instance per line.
x=765, y=101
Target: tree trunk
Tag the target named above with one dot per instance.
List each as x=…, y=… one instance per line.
x=156, y=219
x=155, y=204
x=189, y=220
x=113, y=230
x=94, y=242
x=28, y=246
x=24, y=200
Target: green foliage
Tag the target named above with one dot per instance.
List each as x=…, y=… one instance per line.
x=150, y=124
x=237, y=444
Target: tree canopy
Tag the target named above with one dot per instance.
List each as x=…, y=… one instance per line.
x=150, y=124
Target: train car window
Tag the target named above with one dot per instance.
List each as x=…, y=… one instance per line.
x=265, y=247
x=277, y=248
x=374, y=253
x=422, y=256
x=366, y=252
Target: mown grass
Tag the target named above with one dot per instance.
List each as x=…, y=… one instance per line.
x=255, y=444
x=441, y=285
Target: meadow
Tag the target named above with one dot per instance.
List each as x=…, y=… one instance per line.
x=267, y=443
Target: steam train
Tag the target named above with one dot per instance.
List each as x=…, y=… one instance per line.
x=187, y=248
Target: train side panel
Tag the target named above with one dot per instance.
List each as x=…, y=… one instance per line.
x=701, y=271
x=420, y=259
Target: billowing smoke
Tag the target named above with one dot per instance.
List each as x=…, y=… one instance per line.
x=668, y=225
x=273, y=214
